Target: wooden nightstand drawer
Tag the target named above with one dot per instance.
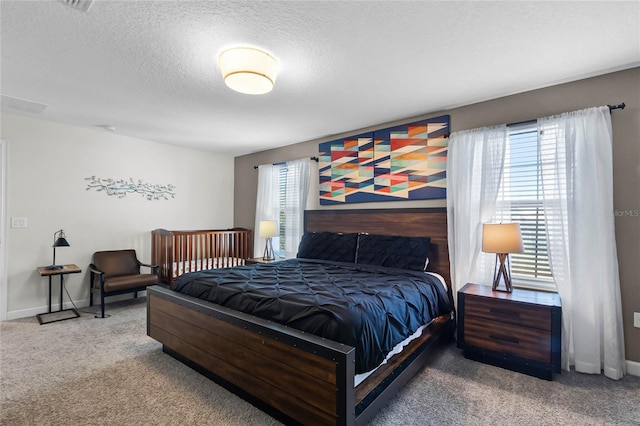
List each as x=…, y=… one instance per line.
x=513, y=339
x=510, y=312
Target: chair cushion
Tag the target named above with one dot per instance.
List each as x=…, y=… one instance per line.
x=116, y=262
x=125, y=282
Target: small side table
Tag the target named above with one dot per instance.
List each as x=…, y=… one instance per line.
x=45, y=272
x=256, y=260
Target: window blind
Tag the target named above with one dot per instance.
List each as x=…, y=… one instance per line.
x=292, y=197
x=282, y=208
x=520, y=200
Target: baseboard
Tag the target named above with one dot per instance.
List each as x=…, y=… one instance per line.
x=31, y=312
x=633, y=368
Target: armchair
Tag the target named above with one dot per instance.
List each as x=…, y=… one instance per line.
x=118, y=272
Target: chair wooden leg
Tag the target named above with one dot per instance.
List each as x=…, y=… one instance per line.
x=91, y=290
x=102, y=315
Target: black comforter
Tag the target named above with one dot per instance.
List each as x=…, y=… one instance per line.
x=370, y=308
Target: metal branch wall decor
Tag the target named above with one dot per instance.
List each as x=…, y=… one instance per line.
x=120, y=188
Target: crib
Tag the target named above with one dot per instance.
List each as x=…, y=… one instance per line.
x=178, y=252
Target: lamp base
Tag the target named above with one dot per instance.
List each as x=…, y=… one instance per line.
x=268, y=251
x=502, y=273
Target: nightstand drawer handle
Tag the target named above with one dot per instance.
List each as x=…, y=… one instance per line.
x=505, y=338
x=504, y=313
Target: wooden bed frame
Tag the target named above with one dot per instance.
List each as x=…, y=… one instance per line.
x=294, y=376
x=190, y=251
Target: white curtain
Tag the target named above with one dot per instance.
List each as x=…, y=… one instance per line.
x=266, y=202
x=295, y=201
x=577, y=181
x=283, y=190
x=475, y=166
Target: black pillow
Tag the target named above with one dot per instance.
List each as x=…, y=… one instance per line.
x=328, y=246
x=394, y=251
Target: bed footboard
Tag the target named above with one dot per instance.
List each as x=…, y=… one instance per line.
x=303, y=377
x=177, y=252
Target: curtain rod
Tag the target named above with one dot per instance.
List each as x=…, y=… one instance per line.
x=282, y=162
x=611, y=108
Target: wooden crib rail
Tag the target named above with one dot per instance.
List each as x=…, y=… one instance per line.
x=178, y=252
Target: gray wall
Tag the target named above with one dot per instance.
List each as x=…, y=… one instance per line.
x=623, y=86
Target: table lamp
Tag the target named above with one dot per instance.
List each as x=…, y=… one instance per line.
x=502, y=239
x=60, y=241
x=268, y=229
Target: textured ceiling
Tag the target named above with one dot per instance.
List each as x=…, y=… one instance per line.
x=148, y=68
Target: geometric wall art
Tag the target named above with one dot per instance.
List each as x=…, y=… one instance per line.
x=406, y=162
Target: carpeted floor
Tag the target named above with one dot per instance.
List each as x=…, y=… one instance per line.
x=88, y=371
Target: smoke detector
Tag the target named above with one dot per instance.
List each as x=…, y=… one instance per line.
x=107, y=127
x=81, y=5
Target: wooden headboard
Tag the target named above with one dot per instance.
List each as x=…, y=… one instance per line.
x=411, y=222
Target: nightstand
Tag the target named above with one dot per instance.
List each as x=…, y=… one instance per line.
x=520, y=331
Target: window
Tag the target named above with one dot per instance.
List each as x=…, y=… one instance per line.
x=520, y=200
x=282, y=196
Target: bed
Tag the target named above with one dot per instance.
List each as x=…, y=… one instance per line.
x=295, y=376
x=178, y=252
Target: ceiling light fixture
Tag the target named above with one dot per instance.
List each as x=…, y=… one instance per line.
x=248, y=70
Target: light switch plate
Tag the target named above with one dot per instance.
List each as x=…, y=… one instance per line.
x=636, y=319
x=18, y=222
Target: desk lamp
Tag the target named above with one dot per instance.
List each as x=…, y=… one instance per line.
x=60, y=241
x=268, y=229
x=502, y=239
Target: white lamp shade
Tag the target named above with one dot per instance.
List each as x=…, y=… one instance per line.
x=268, y=228
x=501, y=238
x=248, y=70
